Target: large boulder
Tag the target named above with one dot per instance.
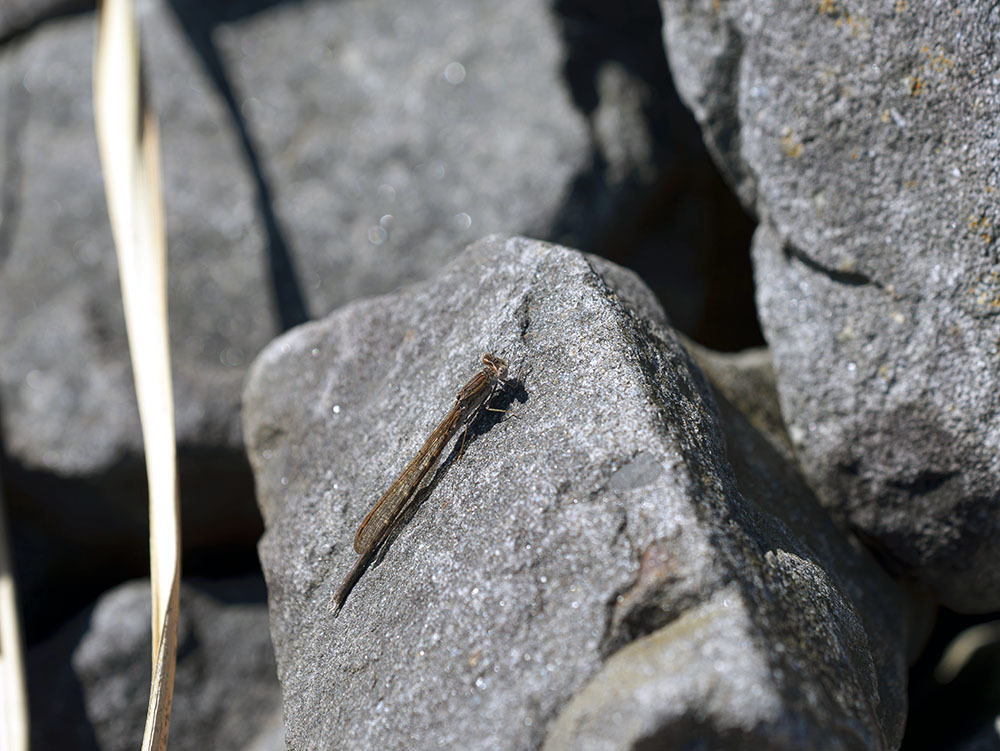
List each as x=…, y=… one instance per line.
x=586, y=568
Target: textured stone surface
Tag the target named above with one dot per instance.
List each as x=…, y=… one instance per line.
x=601, y=509
x=641, y=694
x=747, y=380
x=89, y=683
x=864, y=134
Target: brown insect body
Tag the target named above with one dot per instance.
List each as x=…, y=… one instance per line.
x=391, y=507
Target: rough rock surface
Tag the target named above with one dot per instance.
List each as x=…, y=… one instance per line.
x=639, y=695
x=599, y=518
x=747, y=379
x=864, y=136
x=89, y=683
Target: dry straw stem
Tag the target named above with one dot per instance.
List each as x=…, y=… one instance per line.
x=129, y=147
x=13, y=696
x=963, y=648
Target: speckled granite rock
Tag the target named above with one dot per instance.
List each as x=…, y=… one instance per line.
x=598, y=518
x=864, y=134
x=89, y=683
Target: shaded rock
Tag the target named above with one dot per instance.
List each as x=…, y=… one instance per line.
x=643, y=694
x=70, y=424
x=600, y=514
x=869, y=133
x=744, y=388
x=20, y=16
x=704, y=42
x=747, y=380
x=427, y=136
x=89, y=683
x=656, y=692
x=986, y=738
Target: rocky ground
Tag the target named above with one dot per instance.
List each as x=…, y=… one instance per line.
x=684, y=529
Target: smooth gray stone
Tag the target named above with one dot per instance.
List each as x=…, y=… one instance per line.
x=865, y=138
x=601, y=509
x=89, y=683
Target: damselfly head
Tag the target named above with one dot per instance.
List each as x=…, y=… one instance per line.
x=497, y=365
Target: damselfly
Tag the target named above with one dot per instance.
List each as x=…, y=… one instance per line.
x=391, y=508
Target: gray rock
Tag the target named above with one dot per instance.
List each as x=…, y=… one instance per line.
x=601, y=510
x=744, y=388
x=647, y=692
x=313, y=152
x=71, y=430
x=21, y=16
x=704, y=44
x=656, y=692
x=89, y=683
x=352, y=131
x=747, y=380
x=870, y=134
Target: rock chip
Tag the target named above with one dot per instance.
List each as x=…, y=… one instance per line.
x=592, y=531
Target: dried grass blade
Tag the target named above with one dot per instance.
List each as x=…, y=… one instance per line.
x=13, y=693
x=129, y=146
